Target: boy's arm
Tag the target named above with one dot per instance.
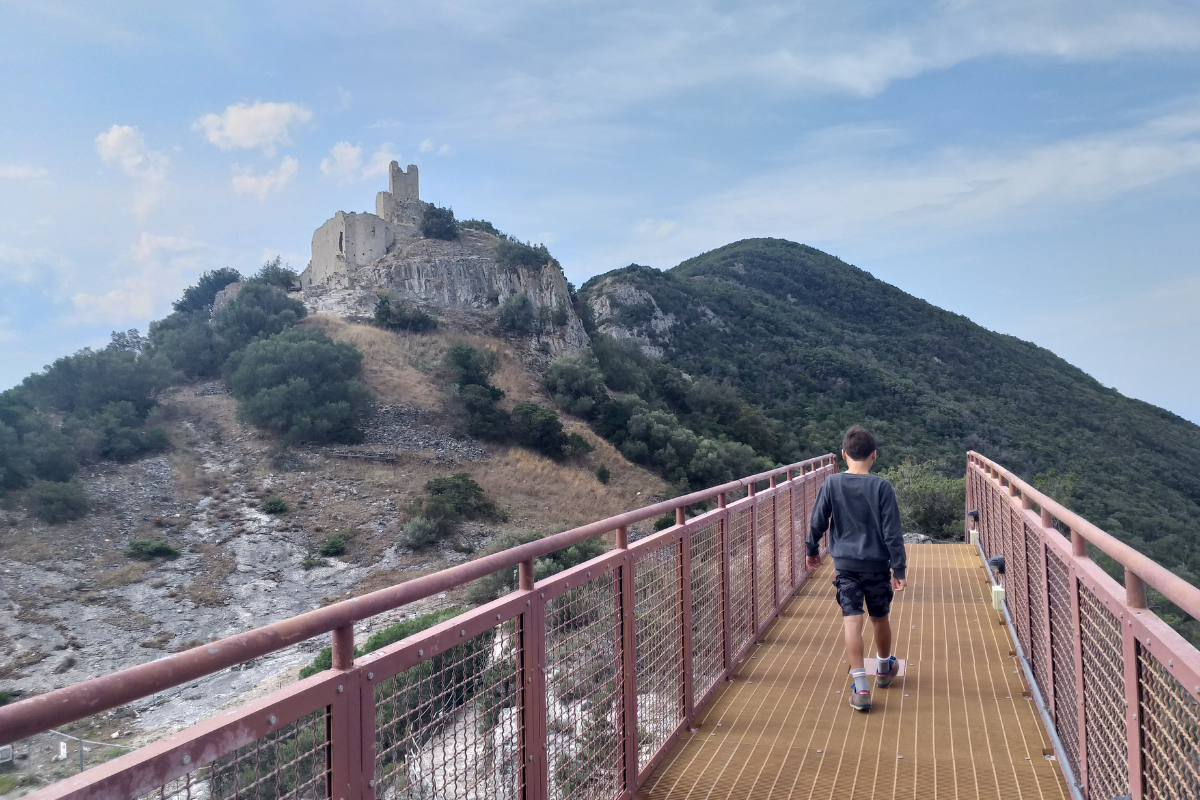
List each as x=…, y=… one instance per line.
x=893, y=535
x=818, y=522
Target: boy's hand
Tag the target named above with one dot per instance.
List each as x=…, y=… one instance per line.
x=812, y=562
x=898, y=584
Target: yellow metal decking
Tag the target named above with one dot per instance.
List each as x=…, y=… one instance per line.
x=959, y=724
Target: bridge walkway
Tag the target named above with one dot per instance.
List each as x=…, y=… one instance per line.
x=961, y=723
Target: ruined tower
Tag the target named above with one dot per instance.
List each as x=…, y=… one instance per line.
x=350, y=240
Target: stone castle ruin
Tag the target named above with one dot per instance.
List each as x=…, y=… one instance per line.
x=357, y=255
x=351, y=240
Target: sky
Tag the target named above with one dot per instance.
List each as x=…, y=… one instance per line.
x=1034, y=165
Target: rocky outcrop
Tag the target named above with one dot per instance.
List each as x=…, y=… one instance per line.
x=623, y=311
x=462, y=283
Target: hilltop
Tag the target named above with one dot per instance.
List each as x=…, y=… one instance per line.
x=816, y=345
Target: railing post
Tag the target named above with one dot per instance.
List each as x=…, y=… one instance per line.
x=754, y=611
x=533, y=646
x=628, y=666
x=1135, y=591
x=685, y=607
x=1077, y=649
x=346, y=765
x=726, y=587
x=1135, y=594
x=776, y=594
x=1047, y=680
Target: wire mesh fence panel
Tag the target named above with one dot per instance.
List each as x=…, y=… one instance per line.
x=451, y=726
x=1103, y=699
x=657, y=628
x=1017, y=582
x=741, y=620
x=1062, y=651
x=1170, y=719
x=783, y=541
x=708, y=587
x=291, y=763
x=1039, y=651
x=765, y=568
x=584, y=700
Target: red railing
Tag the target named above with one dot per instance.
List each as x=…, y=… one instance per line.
x=1119, y=688
x=571, y=687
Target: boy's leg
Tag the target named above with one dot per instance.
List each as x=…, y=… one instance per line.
x=883, y=636
x=852, y=628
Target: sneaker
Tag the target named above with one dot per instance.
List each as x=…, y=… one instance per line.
x=884, y=679
x=860, y=701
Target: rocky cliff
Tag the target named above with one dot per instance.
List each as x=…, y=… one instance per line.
x=463, y=283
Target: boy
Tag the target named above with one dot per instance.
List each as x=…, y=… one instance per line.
x=865, y=540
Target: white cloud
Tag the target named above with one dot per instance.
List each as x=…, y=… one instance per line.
x=658, y=228
x=245, y=181
x=345, y=162
x=342, y=163
x=823, y=196
x=125, y=147
x=345, y=98
x=378, y=165
x=21, y=172
x=445, y=150
x=155, y=270
x=426, y=146
x=248, y=126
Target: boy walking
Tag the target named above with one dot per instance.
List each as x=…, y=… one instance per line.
x=865, y=541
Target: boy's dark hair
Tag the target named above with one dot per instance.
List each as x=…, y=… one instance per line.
x=859, y=443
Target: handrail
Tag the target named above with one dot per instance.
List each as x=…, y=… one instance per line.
x=71, y=703
x=1170, y=585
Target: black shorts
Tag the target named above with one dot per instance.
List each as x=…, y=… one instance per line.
x=855, y=587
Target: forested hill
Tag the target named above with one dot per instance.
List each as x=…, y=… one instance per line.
x=818, y=345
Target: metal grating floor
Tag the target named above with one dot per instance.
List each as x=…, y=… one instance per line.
x=956, y=726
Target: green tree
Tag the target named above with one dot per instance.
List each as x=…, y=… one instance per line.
x=259, y=311
x=399, y=315
x=517, y=314
x=929, y=503
x=539, y=429
x=273, y=273
x=200, y=296
x=439, y=223
x=300, y=384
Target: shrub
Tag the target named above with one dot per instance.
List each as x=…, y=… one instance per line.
x=602, y=474
x=273, y=504
x=420, y=532
x=439, y=223
x=56, y=502
x=539, y=429
x=150, y=549
x=380, y=639
x=300, y=384
x=398, y=315
x=470, y=365
x=486, y=420
x=91, y=379
x=511, y=253
x=559, y=316
x=458, y=496
x=189, y=342
x=115, y=433
x=664, y=522
x=204, y=292
x=577, y=446
x=576, y=383
x=335, y=544
x=259, y=311
x=273, y=273
x=516, y=314
x=929, y=502
x=481, y=225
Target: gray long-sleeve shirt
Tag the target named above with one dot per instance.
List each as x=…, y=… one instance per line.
x=863, y=521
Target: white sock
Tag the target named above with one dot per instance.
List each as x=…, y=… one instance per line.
x=884, y=663
x=860, y=680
